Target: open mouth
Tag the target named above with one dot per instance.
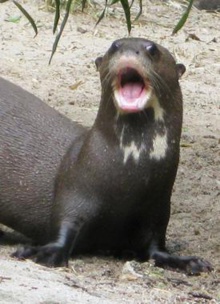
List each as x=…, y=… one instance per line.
x=132, y=92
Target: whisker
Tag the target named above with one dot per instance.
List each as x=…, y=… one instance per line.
x=158, y=82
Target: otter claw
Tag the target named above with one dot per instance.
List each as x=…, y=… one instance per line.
x=24, y=252
x=197, y=265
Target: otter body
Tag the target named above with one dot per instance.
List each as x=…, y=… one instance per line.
x=33, y=140
x=113, y=186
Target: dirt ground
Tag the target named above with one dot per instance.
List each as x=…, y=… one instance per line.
x=71, y=85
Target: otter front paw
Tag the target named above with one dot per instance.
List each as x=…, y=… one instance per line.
x=196, y=265
x=50, y=255
x=190, y=264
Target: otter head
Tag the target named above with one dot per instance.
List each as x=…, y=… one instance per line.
x=137, y=72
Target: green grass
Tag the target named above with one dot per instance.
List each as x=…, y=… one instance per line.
x=71, y=5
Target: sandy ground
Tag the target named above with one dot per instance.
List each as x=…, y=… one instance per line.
x=71, y=85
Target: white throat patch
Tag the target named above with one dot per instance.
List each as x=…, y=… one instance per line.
x=158, y=110
x=159, y=149
x=159, y=143
x=130, y=150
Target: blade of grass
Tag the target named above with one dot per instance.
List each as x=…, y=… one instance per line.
x=127, y=13
x=83, y=4
x=183, y=19
x=132, y=2
x=126, y=7
x=26, y=14
x=55, y=44
x=103, y=13
x=114, y=1
x=140, y=10
x=57, y=15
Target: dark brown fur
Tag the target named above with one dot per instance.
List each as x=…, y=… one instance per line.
x=33, y=140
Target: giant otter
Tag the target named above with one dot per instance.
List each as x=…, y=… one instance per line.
x=113, y=186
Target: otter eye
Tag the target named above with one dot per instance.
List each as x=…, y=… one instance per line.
x=115, y=46
x=152, y=49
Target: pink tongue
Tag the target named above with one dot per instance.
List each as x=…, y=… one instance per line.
x=132, y=90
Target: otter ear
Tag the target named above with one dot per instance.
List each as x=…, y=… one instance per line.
x=98, y=62
x=180, y=69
